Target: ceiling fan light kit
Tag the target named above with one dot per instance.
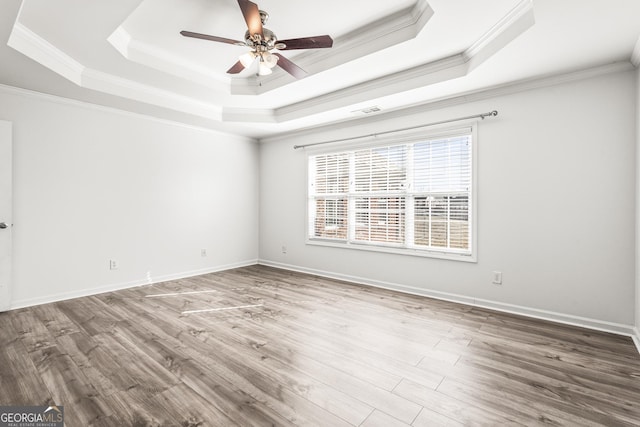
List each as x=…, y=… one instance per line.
x=262, y=41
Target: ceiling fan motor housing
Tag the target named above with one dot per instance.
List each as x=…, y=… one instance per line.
x=267, y=40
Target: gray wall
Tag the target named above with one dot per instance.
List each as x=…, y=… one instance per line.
x=556, y=173
x=92, y=184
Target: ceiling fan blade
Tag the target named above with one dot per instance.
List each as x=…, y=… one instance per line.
x=237, y=67
x=251, y=15
x=211, y=38
x=290, y=67
x=316, y=42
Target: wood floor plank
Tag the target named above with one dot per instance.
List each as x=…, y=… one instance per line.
x=380, y=419
x=239, y=398
x=532, y=408
x=265, y=387
x=135, y=407
x=20, y=383
x=402, y=325
x=582, y=379
x=334, y=356
x=192, y=408
x=67, y=384
x=272, y=377
x=306, y=332
x=451, y=407
x=97, y=362
x=33, y=334
x=275, y=347
x=601, y=344
x=89, y=315
x=351, y=385
x=56, y=322
x=570, y=397
x=143, y=371
x=429, y=418
x=577, y=354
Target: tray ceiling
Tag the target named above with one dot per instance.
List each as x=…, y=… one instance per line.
x=389, y=54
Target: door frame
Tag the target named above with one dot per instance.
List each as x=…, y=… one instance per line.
x=6, y=211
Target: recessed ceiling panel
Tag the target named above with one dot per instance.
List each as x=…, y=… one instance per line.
x=150, y=35
x=387, y=53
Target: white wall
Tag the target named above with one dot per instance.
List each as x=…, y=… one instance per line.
x=92, y=184
x=556, y=206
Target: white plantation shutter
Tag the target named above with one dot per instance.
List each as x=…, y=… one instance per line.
x=442, y=193
x=328, y=187
x=382, y=169
x=380, y=184
x=415, y=196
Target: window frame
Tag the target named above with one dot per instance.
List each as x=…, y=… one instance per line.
x=401, y=249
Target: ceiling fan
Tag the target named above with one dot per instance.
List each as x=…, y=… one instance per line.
x=262, y=41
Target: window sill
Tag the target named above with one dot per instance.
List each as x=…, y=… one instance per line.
x=397, y=251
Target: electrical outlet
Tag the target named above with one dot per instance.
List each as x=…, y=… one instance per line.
x=284, y=249
x=497, y=277
x=203, y=252
x=113, y=264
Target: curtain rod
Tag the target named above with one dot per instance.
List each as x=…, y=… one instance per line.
x=480, y=116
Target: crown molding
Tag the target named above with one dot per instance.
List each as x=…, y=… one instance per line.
x=517, y=21
x=253, y=115
x=32, y=45
x=162, y=60
x=522, y=9
x=419, y=76
x=120, y=39
x=35, y=47
x=108, y=83
x=457, y=99
x=61, y=100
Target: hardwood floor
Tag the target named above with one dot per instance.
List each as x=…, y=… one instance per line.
x=258, y=346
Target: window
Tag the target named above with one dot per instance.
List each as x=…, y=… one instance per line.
x=414, y=197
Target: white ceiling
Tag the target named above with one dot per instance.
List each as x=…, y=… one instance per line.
x=129, y=54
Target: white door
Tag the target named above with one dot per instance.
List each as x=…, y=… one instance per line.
x=5, y=214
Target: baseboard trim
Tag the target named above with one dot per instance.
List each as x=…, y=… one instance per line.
x=636, y=338
x=566, y=319
x=125, y=285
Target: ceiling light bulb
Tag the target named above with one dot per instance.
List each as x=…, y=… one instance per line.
x=264, y=69
x=270, y=60
x=246, y=59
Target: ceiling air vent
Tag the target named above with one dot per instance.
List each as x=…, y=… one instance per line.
x=368, y=110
